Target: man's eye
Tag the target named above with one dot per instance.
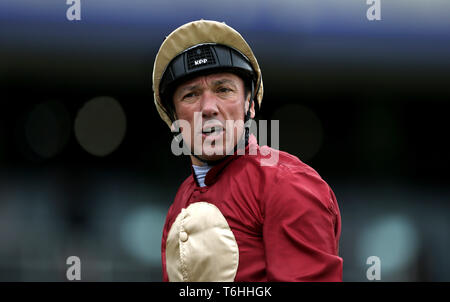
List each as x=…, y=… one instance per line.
x=223, y=89
x=189, y=95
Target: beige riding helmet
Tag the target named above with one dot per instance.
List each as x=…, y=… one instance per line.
x=201, y=46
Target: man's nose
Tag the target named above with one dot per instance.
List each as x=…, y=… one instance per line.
x=208, y=105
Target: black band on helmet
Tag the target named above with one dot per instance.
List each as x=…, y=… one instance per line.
x=203, y=59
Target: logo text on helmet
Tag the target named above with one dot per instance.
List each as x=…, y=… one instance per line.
x=201, y=61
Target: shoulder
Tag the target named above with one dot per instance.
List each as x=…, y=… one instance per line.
x=283, y=161
x=280, y=166
x=290, y=181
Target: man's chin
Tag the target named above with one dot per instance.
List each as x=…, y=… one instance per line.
x=217, y=155
x=214, y=154
x=214, y=157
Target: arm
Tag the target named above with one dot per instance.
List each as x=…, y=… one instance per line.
x=301, y=229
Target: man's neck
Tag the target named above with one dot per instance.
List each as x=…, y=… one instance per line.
x=196, y=161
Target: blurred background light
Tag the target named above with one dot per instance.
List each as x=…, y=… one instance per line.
x=141, y=231
x=48, y=128
x=100, y=126
x=395, y=240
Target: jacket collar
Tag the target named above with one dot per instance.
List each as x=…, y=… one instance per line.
x=214, y=173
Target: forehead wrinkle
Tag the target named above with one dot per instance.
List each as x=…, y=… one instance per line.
x=223, y=81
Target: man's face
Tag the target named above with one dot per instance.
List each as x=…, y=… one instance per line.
x=218, y=103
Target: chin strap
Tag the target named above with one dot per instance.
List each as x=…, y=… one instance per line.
x=239, y=144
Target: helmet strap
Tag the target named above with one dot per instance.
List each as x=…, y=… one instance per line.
x=247, y=115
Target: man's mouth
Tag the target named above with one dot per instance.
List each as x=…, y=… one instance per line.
x=212, y=131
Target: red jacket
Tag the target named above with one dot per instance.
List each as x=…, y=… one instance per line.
x=284, y=218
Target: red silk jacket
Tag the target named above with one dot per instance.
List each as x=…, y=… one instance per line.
x=284, y=220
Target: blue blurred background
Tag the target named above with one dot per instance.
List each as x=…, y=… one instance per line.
x=85, y=162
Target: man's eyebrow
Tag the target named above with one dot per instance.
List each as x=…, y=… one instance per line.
x=189, y=88
x=215, y=83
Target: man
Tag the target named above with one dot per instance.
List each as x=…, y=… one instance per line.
x=235, y=218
